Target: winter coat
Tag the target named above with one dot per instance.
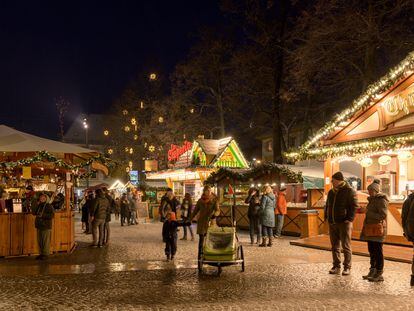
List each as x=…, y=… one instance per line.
x=254, y=205
x=376, y=211
x=101, y=207
x=281, y=205
x=29, y=202
x=169, y=229
x=85, y=210
x=207, y=209
x=112, y=207
x=407, y=216
x=186, y=207
x=124, y=207
x=168, y=205
x=341, y=204
x=44, y=214
x=267, y=210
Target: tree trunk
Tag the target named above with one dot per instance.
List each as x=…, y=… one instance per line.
x=220, y=104
x=278, y=78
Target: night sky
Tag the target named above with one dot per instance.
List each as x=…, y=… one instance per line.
x=87, y=51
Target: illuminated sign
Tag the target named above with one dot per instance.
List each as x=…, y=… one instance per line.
x=134, y=177
x=176, y=151
x=398, y=106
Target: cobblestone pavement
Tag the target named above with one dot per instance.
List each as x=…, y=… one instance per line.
x=131, y=274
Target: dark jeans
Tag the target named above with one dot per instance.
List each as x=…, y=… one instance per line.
x=171, y=246
x=124, y=219
x=190, y=229
x=200, y=244
x=279, y=224
x=340, y=234
x=255, y=227
x=267, y=231
x=376, y=255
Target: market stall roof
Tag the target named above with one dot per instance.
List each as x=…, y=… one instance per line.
x=374, y=95
x=12, y=140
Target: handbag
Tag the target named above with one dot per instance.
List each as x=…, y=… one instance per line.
x=374, y=230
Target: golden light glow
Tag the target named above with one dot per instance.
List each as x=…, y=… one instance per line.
x=142, y=104
x=127, y=169
x=405, y=156
x=384, y=160
x=135, y=137
x=130, y=163
x=153, y=76
x=126, y=149
x=192, y=110
x=125, y=112
x=366, y=162
x=133, y=121
x=106, y=132
x=160, y=119
x=151, y=148
x=127, y=128
x=110, y=151
x=131, y=150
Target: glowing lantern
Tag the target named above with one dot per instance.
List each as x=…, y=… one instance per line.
x=405, y=156
x=366, y=162
x=384, y=160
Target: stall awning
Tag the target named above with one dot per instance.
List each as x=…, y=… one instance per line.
x=12, y=140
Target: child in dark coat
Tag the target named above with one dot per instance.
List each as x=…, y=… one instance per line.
x=169, y=234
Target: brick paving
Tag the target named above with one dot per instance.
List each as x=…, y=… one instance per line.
x=131, y=274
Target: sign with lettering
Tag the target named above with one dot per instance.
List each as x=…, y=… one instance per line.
x=176, y=151
x=396, y=107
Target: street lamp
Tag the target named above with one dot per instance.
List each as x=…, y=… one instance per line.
x=86, y=127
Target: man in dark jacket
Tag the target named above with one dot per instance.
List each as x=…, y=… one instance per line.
x=341, y=204
x=44, y=214
x=85, y=212
x=107, y=229
x=124, y=209
x=407, y=216
x=99, y=212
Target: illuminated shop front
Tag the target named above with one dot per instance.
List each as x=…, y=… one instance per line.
x=373, y=138
x=191, y=164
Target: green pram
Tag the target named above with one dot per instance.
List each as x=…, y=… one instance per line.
x=221, y=248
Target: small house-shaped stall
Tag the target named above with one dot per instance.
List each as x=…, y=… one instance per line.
x=191, y=164
x=46, y=166
x=373, y=138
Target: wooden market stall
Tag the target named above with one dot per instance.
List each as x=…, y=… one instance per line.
x=233, y=186
x=374, y=139
x=47, y=166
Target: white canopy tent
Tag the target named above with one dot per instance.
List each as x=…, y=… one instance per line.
x=12, y=140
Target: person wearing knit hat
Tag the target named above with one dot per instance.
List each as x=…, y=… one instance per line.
x=341, y=204
x=374, y=231
x=169, y=234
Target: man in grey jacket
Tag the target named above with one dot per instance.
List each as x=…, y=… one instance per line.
x=101, y=207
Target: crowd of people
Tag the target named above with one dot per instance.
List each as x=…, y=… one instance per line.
x=97, y=209
x=266, y=212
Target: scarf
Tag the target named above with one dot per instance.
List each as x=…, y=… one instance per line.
x=206, y=198
x=341, y=185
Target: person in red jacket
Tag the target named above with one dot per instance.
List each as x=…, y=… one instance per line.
x=280, y=211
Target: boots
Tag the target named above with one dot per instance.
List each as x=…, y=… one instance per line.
x=377, y=277
x=270, y=241
x=412, y=280
x=259, y=240
x=264, y=240
x=371, y=273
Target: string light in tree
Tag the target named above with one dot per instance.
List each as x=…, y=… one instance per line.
x=151, y=148
x=141, y=104
x=127, y=128
x=106, y=132
x=153, y=76
x=134, y=121
x=131, y=150
x=160, y=119
x=135, y=137
x=110, y=151
x=124, y=112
